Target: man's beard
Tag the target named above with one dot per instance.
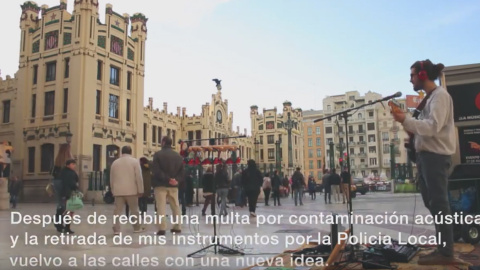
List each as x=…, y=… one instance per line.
x=417, y=88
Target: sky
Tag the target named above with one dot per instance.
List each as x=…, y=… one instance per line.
x=269, y=51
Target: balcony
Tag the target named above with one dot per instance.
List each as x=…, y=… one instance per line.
x=352, y=154
x=340, y=134
x=362, y=166
x=394, y=129
x=360, y=131
x=351, y=143
x=371, y=141
x=362, y=143
x=361, y=154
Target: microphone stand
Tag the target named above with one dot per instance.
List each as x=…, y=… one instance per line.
x=345, y=114
x=215, y=237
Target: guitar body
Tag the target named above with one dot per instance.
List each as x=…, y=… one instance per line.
x=410, y=146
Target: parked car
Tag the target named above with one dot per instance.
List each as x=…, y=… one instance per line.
x=361, y=186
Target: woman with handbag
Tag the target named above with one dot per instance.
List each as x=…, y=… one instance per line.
x=71, y=198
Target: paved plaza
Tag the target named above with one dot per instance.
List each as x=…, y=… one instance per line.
x=166, y=255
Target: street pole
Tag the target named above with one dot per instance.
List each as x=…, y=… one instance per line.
x=289, y=126
x=332, y=153
x=392, y=161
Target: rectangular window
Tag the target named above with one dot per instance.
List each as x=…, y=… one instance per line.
x=144, y=132
x=261, y=139
x=97, y=153
x=198, y=136
x=154, y=134
x=360, y=128
x=261, y=154
x=373, y=161
x=113, y=106
x=34, y=105
x=371, y=138
x=386, y=148
x=310, y=164
x=98, y=102
x=51, y=71
x=128, y=110
x=159, y=135
x=319, y=175
x=350, y=129
x=310, y=142
x=271, y=153
x=67, y=67
x=129, y=80
x=31, y=159
x=328, y=130
x=65, y=100
x=309, y=131
x=47, y=156
x=319, y=152
x=99, y=70
x=310, y=153
x=318, y=142
x=35, y=74
x=317, y=130
x=270, y=139
x=6, y=111
x=370, y=114
x=49, y=103
x=370, y=126
x=372, y=149
x=114, y=76
x=174, y=137
x=385, y=136
x=319, y=164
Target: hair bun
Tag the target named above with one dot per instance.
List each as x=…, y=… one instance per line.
x=439, y=67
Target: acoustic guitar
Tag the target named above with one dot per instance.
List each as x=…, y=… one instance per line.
x=410, y=146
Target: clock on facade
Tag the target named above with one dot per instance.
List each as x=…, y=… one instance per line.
x=219, y=116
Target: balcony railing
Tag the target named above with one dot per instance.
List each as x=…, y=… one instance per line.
x=351, y=143
x=360, y=131
x=362, y=143
x=362, y=154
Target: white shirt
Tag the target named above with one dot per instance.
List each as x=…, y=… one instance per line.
x=434, y=130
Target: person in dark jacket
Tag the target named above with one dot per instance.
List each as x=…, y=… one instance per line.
x=298, y=185
x=222, y=184
x=14, y=187
x=69, y=178
x=252, y=180
x=147, y=185
x=208, y=189
x=327, y=187
x=311, y=188
x=276, y=183
x=167, y=174
x=237, y=185
x=189, y=191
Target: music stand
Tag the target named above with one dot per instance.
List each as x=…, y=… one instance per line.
x=344, y=114
x=216, y=245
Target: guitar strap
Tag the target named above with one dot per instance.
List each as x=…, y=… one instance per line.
x=422, y=104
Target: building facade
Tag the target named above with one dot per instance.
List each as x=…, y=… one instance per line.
x=83, y=79
x=370, y=130
x=278, y=139
x=314, y=144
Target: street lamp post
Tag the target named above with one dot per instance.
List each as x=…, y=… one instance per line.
x=392, y=161
x=277, y=156
x=288, y=126
x=331, y=154
x=256, y=143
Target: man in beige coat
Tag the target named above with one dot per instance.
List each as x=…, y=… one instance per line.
x=126, y=183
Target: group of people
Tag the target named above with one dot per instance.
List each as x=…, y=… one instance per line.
x=435, y=142
x=332, y=183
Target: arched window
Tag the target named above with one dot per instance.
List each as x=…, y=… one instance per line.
x=47, y=157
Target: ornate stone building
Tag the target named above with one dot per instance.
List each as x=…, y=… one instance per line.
x=314, y=144
x=370, y=129
x=78, y=76
x=274, y=148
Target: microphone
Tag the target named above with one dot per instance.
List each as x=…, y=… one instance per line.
x=396, y=95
